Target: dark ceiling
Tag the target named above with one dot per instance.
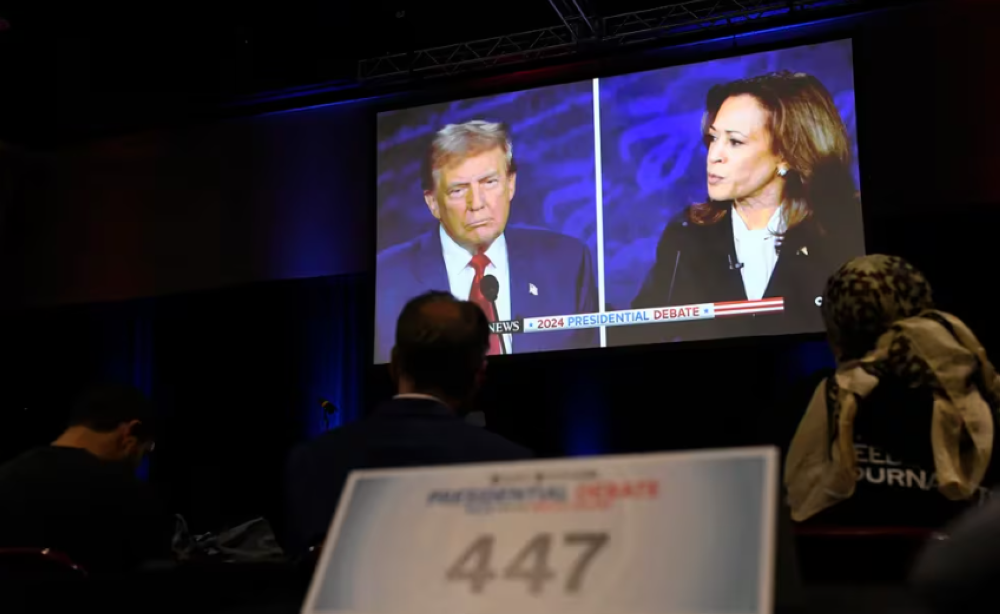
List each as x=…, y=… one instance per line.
x=69, y=64
x=225, y=47
x=63, y=60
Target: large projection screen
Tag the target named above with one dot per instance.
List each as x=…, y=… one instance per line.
x=706, y=201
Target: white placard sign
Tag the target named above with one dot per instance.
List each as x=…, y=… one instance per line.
x=687, y=533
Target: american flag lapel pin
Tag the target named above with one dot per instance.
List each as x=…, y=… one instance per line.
x=803, y=251
x=532, y=289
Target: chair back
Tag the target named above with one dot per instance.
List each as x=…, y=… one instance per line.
x=17, y=563
x=860, y=555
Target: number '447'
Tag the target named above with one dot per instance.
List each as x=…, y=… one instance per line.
x=530, y=565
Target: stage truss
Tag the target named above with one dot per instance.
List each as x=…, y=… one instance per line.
x=579, y=33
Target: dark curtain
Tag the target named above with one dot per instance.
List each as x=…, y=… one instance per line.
x=236, y=375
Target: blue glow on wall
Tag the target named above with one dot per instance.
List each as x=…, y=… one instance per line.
x=585, y=420
x=809, y=357
x=334, y=358
x=125, y=334
x=142, y=366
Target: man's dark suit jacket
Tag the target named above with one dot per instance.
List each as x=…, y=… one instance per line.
x=405, y=432
x=551, y=274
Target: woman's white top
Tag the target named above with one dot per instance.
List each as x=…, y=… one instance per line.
x=757, y=251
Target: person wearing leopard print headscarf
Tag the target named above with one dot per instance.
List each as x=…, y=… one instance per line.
x=904, y=371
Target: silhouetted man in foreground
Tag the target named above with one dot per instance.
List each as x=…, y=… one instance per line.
x=80, y=496
x=438, y=363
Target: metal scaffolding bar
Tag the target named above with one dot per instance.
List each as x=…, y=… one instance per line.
x=700, y=15
x=562, y=17
x=486, y=53
x=677, y=19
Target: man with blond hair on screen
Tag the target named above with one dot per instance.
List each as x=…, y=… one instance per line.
x=469, y=180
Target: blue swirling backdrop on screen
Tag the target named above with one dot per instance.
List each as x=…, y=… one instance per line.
x=653, y=157
x=553, y=137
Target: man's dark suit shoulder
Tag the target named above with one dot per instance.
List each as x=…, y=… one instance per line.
x=544, y=240
x=403, y=250
x=467, y=442
x=402, y=433
x=541, y=239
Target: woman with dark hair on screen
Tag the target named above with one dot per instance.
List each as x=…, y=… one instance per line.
x=782, y=211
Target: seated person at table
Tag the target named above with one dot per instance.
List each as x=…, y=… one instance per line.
x=902, y=432
x=80, y=495
x=437, y=364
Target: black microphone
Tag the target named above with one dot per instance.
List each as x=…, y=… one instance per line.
x=673, y=278
x=328, y=410
x=490, y=287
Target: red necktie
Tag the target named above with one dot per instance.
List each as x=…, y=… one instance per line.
x=478, y=264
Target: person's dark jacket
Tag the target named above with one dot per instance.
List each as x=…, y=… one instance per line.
x=94, y=511
x=896, y=484
x=405, y=432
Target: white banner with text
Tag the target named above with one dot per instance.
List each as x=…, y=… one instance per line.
x=679, y=533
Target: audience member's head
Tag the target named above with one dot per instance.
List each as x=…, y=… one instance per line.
x=866, y=296
x=441, y=346
x=113, y=423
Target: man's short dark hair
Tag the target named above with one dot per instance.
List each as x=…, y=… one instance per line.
x=104, y=408
x=441, y=343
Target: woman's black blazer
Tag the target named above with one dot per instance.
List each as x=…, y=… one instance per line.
x=697, y=264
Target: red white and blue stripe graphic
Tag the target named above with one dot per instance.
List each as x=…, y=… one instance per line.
x=740, y=308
